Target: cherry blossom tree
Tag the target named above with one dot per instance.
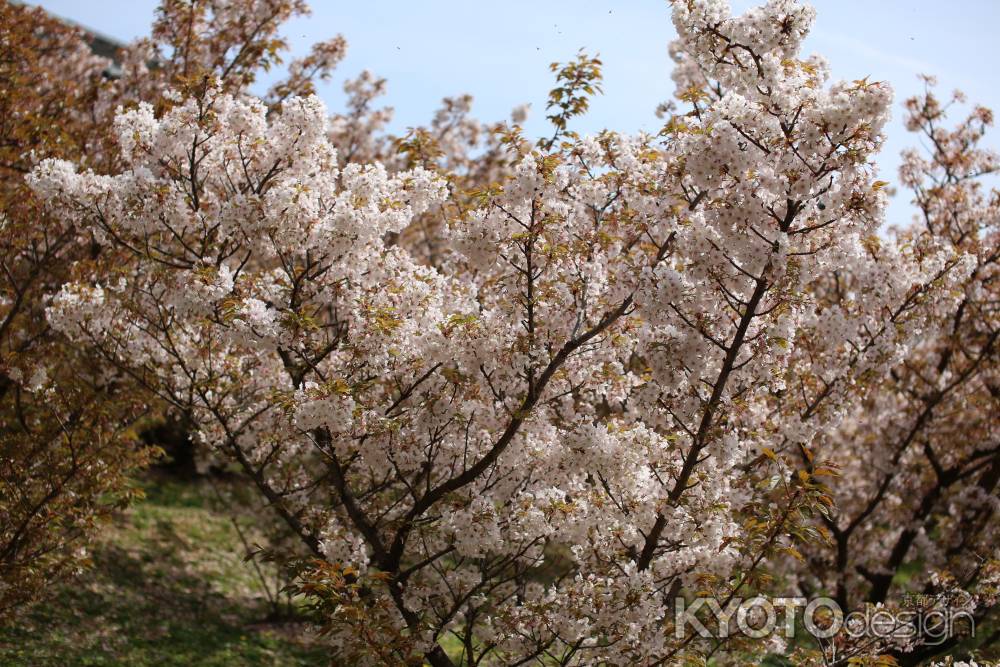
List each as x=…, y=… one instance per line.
x=920, y=451
x=518, y=401
x=67, y=441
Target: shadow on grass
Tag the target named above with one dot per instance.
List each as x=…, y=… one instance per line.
x=167, y=588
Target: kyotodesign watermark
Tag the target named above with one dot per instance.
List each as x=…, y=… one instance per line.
x=821, y=617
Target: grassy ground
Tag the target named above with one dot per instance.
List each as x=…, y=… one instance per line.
x=168, y=588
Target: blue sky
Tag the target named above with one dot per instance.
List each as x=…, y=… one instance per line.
x=499, y=52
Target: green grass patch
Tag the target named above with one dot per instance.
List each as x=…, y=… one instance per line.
x=168, y=588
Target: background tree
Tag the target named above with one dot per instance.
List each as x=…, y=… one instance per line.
x=65, y=446
x=921, y=451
